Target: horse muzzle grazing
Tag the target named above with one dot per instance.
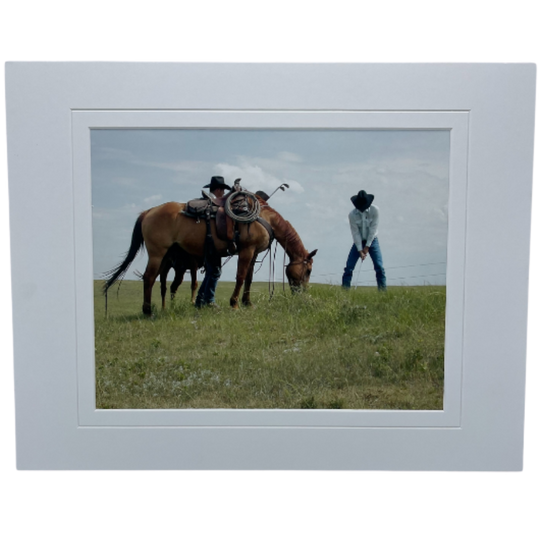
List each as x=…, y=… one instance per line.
x=298, y=272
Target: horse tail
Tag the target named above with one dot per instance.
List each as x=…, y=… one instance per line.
x=118, y=272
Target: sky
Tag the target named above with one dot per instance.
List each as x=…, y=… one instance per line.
x=406, y=170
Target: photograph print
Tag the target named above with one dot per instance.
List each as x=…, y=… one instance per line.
x=269, y=269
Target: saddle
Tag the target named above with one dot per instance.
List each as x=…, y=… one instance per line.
x=227, y=212
x=198, y=208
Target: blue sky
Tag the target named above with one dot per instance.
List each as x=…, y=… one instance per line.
x=406, y=170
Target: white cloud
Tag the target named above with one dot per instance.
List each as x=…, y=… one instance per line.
x=255, y=178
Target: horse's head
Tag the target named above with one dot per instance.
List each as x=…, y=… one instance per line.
x=299, y=272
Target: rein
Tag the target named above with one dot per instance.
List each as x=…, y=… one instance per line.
x=292, y=263
x=284, y=266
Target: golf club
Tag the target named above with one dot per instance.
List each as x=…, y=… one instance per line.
x=358, y=274
x=282, y=187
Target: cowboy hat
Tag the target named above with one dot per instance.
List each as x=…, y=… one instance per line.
x=217, y=182
x=362, y=200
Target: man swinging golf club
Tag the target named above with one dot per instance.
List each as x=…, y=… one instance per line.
x=364, y=222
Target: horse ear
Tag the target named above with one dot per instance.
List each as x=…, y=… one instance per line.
x=312, y=254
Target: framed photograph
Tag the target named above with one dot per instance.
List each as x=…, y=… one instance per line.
x=339, y=232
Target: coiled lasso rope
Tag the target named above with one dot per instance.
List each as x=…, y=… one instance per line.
x=249, y=213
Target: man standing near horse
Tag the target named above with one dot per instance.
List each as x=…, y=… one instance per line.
x=212, y=261
x=364, y=222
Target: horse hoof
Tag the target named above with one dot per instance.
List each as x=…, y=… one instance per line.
x=147, y=310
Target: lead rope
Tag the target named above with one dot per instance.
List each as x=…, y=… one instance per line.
x=284, y=253
x=272, y=273
x=270, y=292
x=271, y=269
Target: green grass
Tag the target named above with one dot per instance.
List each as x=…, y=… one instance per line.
x=327, y=349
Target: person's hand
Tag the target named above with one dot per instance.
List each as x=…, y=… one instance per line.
x=363, y=254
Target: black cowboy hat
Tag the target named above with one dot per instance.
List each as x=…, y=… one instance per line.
x=362, y=201
x=264, y=196
x=217, y=182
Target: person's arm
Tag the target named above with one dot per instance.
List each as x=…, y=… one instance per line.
x=373, y=227
x=355, y=231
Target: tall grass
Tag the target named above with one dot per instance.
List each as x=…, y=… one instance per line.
x=330, y=348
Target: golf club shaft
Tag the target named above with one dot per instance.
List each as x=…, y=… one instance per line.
x=279, y=187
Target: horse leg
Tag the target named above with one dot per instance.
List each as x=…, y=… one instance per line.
x=246, y=300
x=163, y=280
x=194, y=284
x=244, y=263
x=149, y=278
x=178, y=279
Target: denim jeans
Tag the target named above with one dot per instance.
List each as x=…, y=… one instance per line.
x=207, y=290
x=376, y=257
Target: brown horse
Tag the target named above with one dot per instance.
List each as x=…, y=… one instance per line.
x=162, y=226
x=180, y=261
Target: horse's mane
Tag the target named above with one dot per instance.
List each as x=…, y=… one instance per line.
x=285, y=233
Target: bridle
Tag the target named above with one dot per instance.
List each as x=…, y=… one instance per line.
x=293, y=263
x=305, y=261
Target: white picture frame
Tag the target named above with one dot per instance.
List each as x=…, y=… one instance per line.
x=490, y=110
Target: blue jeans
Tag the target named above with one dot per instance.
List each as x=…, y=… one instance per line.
x=207, y=290
x=376, y=257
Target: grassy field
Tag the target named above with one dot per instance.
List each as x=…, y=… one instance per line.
x=327, y=349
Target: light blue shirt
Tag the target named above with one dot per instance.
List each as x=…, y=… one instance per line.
x=364, y=225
